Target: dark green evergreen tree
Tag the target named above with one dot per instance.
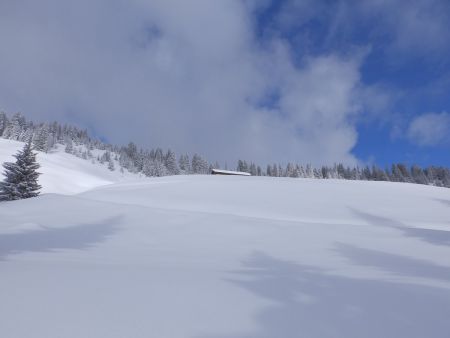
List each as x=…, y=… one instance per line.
x=21, y=176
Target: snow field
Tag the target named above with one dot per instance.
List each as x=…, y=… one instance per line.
x=223, y=257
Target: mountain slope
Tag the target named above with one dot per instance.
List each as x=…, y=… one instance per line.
x=65, y=173
x=236, y=257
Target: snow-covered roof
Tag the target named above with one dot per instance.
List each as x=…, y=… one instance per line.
x=229, y=172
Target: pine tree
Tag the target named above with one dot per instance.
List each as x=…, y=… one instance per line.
x=309, y=171
x=269, y=170
x=154, y=167
x=69, y=146
x=3, y=122
x=378, y=174
x=111, y=165
x=21, y=176
x=199, y=165
x=252, y=169
x=15, y=127
x=184, y=164
x=240, y=165
x=404, y=172
x=170, y=161
x=274, y=170
x=418, y=175
x=40, y=139
x=290, y=170
x=317, y=173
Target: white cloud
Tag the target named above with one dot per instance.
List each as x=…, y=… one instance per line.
x=187, y=75
x=430, y=129
x=415, y=28
x=402, y=29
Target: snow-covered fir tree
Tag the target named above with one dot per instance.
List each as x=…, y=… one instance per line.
x=15, y=127
x=199, y=165
x=184, y=164
x=3, y=122
x=69, y=146
x=41, y=139
x=154, y=167
x=21, y=177
x=170, y=161
x=111, y=165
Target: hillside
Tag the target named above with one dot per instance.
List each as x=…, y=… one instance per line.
x=65, y=173
x=156, y=162
x=214, y=257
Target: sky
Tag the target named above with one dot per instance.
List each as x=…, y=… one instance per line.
x=308, y=81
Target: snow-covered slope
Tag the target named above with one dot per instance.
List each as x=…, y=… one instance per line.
x=64, y=173
x=228, y=257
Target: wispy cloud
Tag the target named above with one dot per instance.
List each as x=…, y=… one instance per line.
x=430, y=129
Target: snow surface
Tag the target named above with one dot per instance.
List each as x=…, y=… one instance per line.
x=65, y=173
x=227, y=257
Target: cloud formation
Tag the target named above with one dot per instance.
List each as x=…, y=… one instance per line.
x=430, y=129
x=192, y=76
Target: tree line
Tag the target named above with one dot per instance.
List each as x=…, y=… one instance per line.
x=432, y=175
x=158, y=162
x=150, y=162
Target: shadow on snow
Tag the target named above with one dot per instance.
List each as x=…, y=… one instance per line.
x=310, y=303
x=79, y=237
x=394, y=264
x=445, y=202
x=439, y=237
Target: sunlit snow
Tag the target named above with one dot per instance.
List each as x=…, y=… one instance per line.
x=222, y=257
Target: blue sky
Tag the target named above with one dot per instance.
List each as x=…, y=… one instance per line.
x=311, y=81
x=416, y=73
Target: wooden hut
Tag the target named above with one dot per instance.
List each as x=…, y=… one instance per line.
x=228, y=172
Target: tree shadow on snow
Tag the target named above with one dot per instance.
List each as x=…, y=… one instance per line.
x=308, y=302
x=439, y=237
x=445, y=202
x=79, y=237
x=394, y=264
